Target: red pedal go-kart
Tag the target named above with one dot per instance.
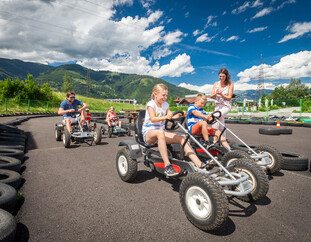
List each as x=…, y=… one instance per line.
x=202, y=192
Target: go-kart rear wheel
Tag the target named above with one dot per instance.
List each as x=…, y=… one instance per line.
x=97, y=136
x=230, y=156
x=58, y=135
x=126, y=166
x=203, y=201
x=257, y=178
x=128, y=131
x=274, y=155
x=66, y=138
x=109, y=132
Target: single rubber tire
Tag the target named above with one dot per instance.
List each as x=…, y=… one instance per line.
x=10, y=163
x=269, y=131
x=8, y=197
x=257, y=178
x=286, y=130
x=18, y=154
x=109, y=132
x=126, y=166
x=58, y=135
x=294, y=162
x=11, y=178
x=7, y=226
x=274, y=155
x=233, y=155
x=66, y=138
x=204, y=201
x=97, y=136
x=128, y=131
x=13, y=146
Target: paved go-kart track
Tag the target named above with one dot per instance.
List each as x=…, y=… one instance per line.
x=76, y=194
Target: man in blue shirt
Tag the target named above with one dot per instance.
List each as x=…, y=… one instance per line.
x=70, y=105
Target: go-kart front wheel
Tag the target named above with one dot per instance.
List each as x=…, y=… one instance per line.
x=126, y=166
x=58, y=135
x=66, y=138
x=203, y=201
x=97, y=135
x=257, y=178
x=274, y=155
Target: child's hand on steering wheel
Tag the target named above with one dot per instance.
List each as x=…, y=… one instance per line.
x=169, y=115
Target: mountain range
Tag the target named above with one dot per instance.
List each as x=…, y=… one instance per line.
x=98, y=84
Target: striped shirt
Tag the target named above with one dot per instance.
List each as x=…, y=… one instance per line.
x=192, y=119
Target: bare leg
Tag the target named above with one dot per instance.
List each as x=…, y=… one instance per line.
x=68, y=125
x=159, y=135
x=82, y=117
x=172, y=138
x=204, y=130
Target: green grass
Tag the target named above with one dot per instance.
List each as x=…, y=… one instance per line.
x=95, y=105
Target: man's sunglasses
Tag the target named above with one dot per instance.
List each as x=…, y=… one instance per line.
x=72, y=97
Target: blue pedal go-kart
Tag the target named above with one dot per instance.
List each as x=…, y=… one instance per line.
x=85, y=134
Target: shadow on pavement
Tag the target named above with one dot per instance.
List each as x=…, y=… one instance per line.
x=22, y=233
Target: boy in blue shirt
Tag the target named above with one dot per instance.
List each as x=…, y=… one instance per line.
x=198, y=126
x=70, y=105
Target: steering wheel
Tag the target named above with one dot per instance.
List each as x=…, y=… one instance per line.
x=171, y=124
x=215, y=115
x=74, y=114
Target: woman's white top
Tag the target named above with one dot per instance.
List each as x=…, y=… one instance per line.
x=219, y=99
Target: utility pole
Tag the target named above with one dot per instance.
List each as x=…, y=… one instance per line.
x=261, y=82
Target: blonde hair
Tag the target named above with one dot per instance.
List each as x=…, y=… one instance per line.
x=158, y=88
x=200, y=96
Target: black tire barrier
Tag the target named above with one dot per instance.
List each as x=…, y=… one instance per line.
x=295, y=124
x=294, y=162
x=10, y=163
x=255, y=121
x=307, y=125
x=282, y=123
x=18, y=154
x=269, y=131
x=8, y=197
x=269, y=122
x=12, y=146
x=11, y=178
x=7, y=226
x=10, y=129
x=14, y=135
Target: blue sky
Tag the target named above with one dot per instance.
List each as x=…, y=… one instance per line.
x=184, y=42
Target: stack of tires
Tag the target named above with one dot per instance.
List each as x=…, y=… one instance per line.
x=12, y=150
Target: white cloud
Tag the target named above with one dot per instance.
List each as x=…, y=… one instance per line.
x=204, y=38
x=210, y=22
x=173, y=37
x=257, y=29
x=207, y=88
x=140, y=65
x=296, y=65
x=297, y=30
x=88, y=32
x=181, y=64
x=161, y=52
x=231, y=38
x=247, y=5
x=263, y=12
x=196, y=32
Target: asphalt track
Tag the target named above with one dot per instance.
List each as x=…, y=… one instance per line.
x=76, y=194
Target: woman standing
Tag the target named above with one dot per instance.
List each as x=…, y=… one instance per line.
x=222, y=91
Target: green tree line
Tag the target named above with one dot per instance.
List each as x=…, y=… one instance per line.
x=26, y=89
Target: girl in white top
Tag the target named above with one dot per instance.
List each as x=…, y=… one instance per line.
x=222, y=91
x=157, y=111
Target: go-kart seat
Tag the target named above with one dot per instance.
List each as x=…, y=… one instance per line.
x=138, y=129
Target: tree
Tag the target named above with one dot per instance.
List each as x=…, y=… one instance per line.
x=67, y=86
x=295, y=90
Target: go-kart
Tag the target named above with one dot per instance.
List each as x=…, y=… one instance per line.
x=202, y=191
x=85, y=134
x=266, y=156
x=114, y=129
